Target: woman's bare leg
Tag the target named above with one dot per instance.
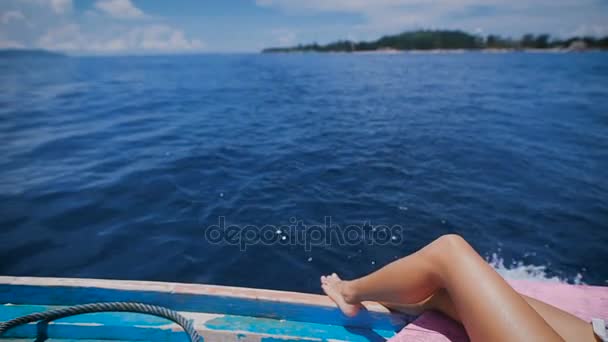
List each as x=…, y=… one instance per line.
x=438, y=301
x=487, y=306
x=568, y=326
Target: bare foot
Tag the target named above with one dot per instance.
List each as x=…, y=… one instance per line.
x=332, y=285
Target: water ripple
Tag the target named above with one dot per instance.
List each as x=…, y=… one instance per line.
x=114, y=167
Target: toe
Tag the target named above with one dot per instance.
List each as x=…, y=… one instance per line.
x=326, y=289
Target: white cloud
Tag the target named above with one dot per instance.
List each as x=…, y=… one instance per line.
x=164, y=38
x=10, y=44
x=590, y=30
x=65, y=38
x=57, y=6
x=366, y=6
x=93, y=29
x=284, y=36
x=505, y=16
x=61, y=6
x=333, y=5
x=150, y=38
x=122, y=9
x=9, y=16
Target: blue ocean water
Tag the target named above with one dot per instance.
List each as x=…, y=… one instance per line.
x=115, y=167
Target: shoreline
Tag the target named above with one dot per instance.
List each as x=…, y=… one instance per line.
x=441, y=51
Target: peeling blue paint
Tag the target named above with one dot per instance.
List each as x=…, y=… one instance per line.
x=126, y=318
x=127, y=326
x=297, y=329
x=278, y=339
x=239, y=317
x=60, y=295
x=107, y=326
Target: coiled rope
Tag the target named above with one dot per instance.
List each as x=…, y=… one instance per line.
x=104, y=307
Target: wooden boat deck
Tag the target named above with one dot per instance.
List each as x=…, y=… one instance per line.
x=219, y=313
x=222, y=313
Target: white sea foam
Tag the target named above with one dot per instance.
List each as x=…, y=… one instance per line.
x=519, y=271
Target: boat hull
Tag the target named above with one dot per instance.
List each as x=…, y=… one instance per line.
x=218, y=313
x=221, y=313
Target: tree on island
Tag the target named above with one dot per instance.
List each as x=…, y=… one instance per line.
x=446, y=40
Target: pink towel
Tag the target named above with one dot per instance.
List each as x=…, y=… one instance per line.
x=586, y=302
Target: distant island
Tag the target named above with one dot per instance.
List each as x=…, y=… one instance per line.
x=450, y=40
x=14, y=53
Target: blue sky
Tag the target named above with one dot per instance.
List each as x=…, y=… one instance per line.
x=163, y=26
